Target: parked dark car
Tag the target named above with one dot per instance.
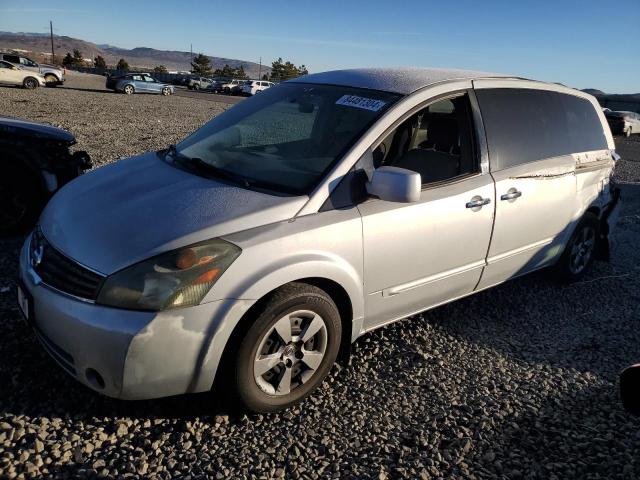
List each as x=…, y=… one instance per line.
x=623, y=123
x=35, y=163
x=630, y=389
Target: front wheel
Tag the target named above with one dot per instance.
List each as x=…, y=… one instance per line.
x=288, y=351
x=51, y=80
x=30, y=83
x=580, y=251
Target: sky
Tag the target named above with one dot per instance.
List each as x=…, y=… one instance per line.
x=583, y=44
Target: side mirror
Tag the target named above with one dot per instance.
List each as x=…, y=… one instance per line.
x=395, y=184
x=630, y=389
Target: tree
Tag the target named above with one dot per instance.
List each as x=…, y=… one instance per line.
x=265, y=77
x=99, y=62
x=230, y=72
x=77, y=57
x=67, y=61
x=281, y=71
x=201, y=65
x=160, y=69
x=122, y=65
x=240, y=73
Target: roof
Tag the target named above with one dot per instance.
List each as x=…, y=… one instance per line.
x=397, y=80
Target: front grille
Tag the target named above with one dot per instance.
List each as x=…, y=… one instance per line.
x=60, y=272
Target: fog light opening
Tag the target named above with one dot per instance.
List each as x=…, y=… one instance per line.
x=94, y=379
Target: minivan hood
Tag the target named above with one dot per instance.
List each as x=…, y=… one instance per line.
x=130, y=210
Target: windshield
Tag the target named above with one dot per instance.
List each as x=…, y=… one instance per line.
x=287, y=138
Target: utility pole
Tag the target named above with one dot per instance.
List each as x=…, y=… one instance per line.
x=260, y=70
x=53, y=55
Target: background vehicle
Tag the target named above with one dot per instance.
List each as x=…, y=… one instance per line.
x=270, y=239
x=623, y=123
x=229, y=87
x=199, y=83
x=630, y=389
x=53, y=75
x=255, y=86
x=138, y=83
x=35, y=163
x=13, y=75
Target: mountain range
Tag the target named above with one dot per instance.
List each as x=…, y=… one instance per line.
x=142, y=57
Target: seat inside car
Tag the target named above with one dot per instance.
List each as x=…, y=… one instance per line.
x=435, y=142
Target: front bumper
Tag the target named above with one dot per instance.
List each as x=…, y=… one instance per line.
x=138, y=355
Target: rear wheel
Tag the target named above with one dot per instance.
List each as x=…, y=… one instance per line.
x=52, y=80
x=288, y=351
x=580, y=251
x=30, y=83
x=128, y=89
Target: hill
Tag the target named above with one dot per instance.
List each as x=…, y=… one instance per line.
x=142, y=57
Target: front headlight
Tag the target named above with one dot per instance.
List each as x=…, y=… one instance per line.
x=180, y=278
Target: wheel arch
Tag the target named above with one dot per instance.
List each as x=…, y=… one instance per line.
x=332, y=288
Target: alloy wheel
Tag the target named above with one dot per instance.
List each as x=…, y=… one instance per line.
x=582, y=249
x=290, y=353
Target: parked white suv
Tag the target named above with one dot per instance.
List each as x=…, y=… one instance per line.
x=255, y=86
x=13, y=75
x=53, y=75
x=258, y=249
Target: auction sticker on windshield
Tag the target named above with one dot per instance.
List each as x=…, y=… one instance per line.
x=361, y=102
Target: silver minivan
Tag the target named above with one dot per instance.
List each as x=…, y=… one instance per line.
x=253, y=253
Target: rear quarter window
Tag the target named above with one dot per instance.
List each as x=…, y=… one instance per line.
x=525, y=125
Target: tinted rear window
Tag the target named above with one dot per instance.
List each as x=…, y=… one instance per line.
x=525, y=125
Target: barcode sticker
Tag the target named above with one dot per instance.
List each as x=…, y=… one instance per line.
x=361, y=102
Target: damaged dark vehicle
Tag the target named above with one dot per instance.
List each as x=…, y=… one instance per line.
x=36, y=162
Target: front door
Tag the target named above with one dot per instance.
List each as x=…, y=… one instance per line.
x=422, y=254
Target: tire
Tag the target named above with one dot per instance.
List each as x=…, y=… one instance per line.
x=30, y=83
x=226, y=91
x=52, y=80
x=128, y=89
x=196, y=87
x=21, y=199
x=580, y=250
x=166, y=91
x=287, y=378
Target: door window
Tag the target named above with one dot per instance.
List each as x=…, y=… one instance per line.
x=437, y=142
x=29, y=63
x=525, y=125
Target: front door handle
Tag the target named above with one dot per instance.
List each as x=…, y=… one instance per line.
x=478, y=202
x=512, y=194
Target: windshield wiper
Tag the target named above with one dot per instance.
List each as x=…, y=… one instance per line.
x=219, y=172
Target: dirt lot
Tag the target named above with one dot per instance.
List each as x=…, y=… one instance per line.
x=516, y=382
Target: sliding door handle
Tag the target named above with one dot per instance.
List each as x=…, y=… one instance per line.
x=478, y=202
x=512, y=194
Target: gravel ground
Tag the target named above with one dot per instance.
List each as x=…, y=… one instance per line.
x=108, y=125
x=516, y=382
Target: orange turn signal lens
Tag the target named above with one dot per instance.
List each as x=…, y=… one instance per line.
x=207, y=277
x=186, y=259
